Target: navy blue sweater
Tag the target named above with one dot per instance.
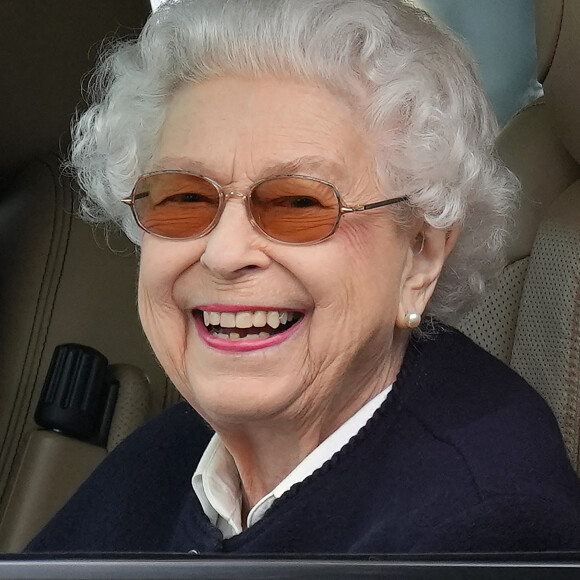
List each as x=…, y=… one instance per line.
x=462, y=456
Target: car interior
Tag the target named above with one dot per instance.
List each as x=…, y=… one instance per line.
x=65, y=282
x=61, y=283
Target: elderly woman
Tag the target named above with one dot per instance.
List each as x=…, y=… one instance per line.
x=308, y=180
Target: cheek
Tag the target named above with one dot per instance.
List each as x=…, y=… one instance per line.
x=375, y=259
x=157, y=274
x=159, y=314
x=161, y=318
x=356, y=279
x=163, y=264
x=375, y=253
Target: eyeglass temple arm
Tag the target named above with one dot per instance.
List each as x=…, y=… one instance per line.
x=343, y=209
x=348, y=209
x=130, y=200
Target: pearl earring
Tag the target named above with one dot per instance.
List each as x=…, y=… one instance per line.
x=413, y=319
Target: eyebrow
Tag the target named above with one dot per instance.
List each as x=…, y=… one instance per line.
x=311, y=165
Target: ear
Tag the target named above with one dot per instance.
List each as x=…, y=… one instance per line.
x=426, y=259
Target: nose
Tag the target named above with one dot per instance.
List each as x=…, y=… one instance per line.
x=234, y=247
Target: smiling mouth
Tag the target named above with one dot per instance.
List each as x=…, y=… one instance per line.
x=248, y=325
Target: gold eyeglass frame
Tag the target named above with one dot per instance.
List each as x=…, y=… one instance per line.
x=225, y=196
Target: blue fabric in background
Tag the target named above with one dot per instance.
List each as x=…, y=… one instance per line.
x=502, y=38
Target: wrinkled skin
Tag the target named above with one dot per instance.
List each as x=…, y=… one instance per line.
x=272, y=406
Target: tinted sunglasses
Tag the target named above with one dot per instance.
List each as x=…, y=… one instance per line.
x=293, y=209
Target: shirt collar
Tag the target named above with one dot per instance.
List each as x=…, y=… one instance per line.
x=216, y=481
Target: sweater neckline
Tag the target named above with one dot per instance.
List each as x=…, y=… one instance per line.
x=384, y=417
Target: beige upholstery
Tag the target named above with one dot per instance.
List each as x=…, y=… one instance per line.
x=60, y=281
x=549, y=15
x=50, y=461
x=133, y=403
x=561, y=76
x=53, y=466
x=547, y=344
x=492, y=323
x=531, y=148
x=532, y=319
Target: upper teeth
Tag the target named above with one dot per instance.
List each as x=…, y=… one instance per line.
x=247, y=319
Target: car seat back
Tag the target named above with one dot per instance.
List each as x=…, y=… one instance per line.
x=60, y=283
x=531, y=320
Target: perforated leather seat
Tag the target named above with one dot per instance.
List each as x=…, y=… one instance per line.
x=532, y=320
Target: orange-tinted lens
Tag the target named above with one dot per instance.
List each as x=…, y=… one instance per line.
x=175, y=205
x=295, y=209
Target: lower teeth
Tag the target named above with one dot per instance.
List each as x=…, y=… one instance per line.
x=235, y=336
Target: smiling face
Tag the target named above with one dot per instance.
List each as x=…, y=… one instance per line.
x=337, y=303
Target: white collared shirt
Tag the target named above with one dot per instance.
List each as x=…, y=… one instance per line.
x=216, y=481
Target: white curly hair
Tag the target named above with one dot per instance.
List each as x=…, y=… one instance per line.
x=413, y=83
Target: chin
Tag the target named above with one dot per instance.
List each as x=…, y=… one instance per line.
x=235, y=400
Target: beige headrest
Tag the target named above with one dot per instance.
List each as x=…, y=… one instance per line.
x=558, y=41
